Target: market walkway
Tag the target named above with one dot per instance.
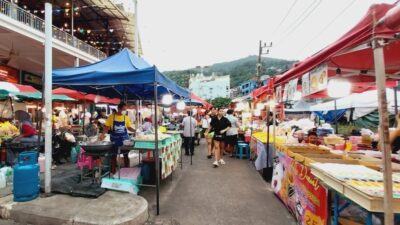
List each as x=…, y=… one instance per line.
x=232, y=194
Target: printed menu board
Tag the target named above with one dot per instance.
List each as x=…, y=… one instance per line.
x=305, y=83
x=318, y=79
x=292, y=87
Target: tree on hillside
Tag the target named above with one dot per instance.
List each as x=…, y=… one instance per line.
x=221, y=102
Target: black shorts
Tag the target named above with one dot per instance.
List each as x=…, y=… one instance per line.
x=219, y=137
x=231, y=140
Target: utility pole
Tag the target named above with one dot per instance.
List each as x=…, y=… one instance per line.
x=259, y=64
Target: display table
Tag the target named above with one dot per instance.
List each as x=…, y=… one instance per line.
x=342, y=189
x=169, y=152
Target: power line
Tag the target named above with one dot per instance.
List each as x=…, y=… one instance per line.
x=300, y=20
x=285, y=17
x=328, y=25
x=304, y=18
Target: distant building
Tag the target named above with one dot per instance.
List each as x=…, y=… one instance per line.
x=210, y=87
x=248, y=86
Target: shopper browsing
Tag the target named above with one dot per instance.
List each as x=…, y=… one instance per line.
x=219, y=125
x=312, y=138
x=189, y=126
x=232, y=133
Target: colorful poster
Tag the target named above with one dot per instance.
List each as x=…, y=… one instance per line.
x=279, y=94
x=318, y=79
x=305, y=83
x=300, y=191
x=292, y=88
x=285, y=92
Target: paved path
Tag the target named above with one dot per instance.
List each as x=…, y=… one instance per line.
x=232, y=194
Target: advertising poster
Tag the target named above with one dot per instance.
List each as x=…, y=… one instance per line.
x=285, y=92
x=318, y=79
x=292, y=88
x=301, y=192
x=279, y=94
x=305, y=83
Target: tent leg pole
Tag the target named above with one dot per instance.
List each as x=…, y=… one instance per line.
x=47, y=94
x=191, y=138
x=396, y=110
x=336, y=122
x=157, y=159
x=380, y=76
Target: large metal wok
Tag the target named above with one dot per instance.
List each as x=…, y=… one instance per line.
x=98, y=148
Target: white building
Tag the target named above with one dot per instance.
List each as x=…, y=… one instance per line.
x=210, y=87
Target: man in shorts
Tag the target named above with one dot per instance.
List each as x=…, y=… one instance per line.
x=219, y=125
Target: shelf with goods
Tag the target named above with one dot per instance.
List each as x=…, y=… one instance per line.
x=305, y=160
x=169, y=150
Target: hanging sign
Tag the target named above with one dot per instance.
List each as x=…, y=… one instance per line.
x=318, y=79
x=31, y=79
x=292, y=87
x=285, y=92
x=278, y=94
x=300, y=190
x=9, y=74
x=305, y=83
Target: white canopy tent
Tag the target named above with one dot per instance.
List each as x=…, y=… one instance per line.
x=363, y=103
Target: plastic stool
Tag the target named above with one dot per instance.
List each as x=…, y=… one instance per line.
x=243, y=148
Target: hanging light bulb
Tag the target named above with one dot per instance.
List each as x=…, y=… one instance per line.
x=339, y=87
x=257, y=112
x=194, y=111
x=181, y=105
x=167, y=99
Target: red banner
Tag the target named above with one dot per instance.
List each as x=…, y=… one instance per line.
x=300, y=191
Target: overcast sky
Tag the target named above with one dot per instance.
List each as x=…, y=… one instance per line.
x=181, y=34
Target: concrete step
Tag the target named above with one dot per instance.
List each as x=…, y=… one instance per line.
x=112, y=208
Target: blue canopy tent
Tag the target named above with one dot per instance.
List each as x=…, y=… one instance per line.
x=126, y=76
x=123, y=75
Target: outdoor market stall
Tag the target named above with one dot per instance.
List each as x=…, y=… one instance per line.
x=364, y=57
x=127, y=77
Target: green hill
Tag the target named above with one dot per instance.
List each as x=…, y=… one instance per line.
x=240, y=70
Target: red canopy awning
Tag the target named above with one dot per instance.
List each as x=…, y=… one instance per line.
x=353, y=50
x=263, y=90
x=197, y=98
x=80, y=96
x=70, y=93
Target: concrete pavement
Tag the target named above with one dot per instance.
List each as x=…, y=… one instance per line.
x=233, y=194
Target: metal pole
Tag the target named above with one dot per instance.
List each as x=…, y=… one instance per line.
x=190, y=122
x=136, y=29
x=274, y=126
x=72, y=20
x=380, y=77
x=157, y=159
x=336, y=124
x=48, y=67
x=396, y=110
x=76, y=62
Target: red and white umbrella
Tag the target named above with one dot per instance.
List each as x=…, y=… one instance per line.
x=16, y=88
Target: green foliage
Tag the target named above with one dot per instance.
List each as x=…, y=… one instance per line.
x=240, y=70
x=221, y=102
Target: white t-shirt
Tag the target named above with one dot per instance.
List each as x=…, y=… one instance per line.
x=205, y=122
x=234, y=125
x=189, y=126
